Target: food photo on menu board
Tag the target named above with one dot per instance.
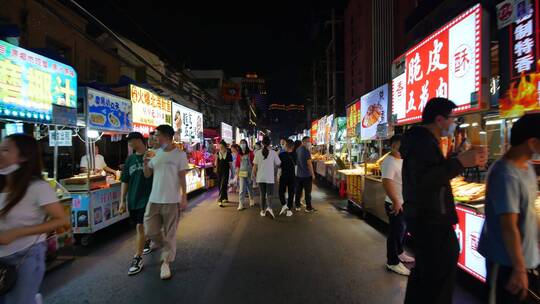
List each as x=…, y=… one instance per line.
x=374, y=111
x=107, y=111
x=187, y=123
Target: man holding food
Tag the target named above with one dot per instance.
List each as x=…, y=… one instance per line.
x=99, y=162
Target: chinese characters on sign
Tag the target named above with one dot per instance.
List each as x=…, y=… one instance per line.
x=523, y=90
x=353, y=118
x=187, y=123
x=149, y=110
x=31, y=84
x=445, y=64
x=524, y=45
x=107, y=112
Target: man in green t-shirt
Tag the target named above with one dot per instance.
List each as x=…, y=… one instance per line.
x=137, y=188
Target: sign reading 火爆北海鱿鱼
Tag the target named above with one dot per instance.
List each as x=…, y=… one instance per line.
x=30, y=84
x=149, y=110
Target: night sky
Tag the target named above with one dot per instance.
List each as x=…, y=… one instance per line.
x=272, y=38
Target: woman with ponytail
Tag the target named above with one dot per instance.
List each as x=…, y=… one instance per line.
x=264, y=169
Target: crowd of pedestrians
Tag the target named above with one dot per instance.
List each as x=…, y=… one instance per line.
x=416, y=177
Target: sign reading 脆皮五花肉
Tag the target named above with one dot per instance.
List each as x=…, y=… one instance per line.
x=30, y=84
x=448, y=63
x=149, y=110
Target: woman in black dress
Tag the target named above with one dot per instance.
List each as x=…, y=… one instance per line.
x=223, y=166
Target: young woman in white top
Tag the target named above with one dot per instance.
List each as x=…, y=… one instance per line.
x=264, y=168
x=29, y=208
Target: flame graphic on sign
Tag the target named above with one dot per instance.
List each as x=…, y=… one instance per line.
x=522, y=96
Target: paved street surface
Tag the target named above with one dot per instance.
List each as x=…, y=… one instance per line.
x=226, y=256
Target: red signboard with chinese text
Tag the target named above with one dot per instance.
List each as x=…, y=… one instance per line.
x=522, y=94
x=446, y=64
x=468, y=232
x=353, y=118
x=314, y=127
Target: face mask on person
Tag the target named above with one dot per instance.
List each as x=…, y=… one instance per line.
x=450, y=131
x=282, y=147
x=9, y=169
x=243, y=146
x=308, y=146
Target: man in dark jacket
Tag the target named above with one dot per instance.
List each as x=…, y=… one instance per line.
x=429, y=204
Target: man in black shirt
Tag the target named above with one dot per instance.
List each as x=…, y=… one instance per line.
x=429, y=206
x=286, y=181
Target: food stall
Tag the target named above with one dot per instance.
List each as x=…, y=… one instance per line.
x=96, y=195
x=374, y=129
x=188, y=125
x=353, y=172
x=37, y=96
x=462, y=46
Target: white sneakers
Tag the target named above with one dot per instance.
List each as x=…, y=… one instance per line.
x=405, y=258
x=241, y=207
x=283, y=209
x=251, y=202
x=165, y=271
x=269, y=210
x=399, y=269
x=263, y=213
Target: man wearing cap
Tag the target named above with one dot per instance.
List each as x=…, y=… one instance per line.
x=137, y=188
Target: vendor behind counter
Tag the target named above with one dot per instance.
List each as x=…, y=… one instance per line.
x=99, y=162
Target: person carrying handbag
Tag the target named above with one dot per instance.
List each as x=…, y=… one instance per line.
x=25, y=201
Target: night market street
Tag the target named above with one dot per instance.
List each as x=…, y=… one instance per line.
x=225, y=256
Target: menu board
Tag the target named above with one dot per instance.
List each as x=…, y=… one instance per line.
x=187, y=123
x=107, y=112
x=149, y=110
x=521, y=53
x=353, y=118
x=227, y=133
x=448, y=64
x=31, y=84
x=313, y=132
x=374, y=112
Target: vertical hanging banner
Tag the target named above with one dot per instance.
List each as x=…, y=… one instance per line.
x=313, y=132
x=448, y=63
x=353, y=117
x=523, y=52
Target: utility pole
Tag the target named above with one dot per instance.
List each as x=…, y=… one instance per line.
x=334, y=66
x=331, y=80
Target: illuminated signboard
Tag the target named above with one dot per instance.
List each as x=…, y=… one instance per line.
x=353, y=118
x=321, y=128
x=313, y=132
x=468, y=232
x=447, y=64
x=149, y=110
x=524, y=75
x=31, y=84
x=374, y=112
x=187, y=123
x=328, y=128
x=227, y=133
x=107, y=112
